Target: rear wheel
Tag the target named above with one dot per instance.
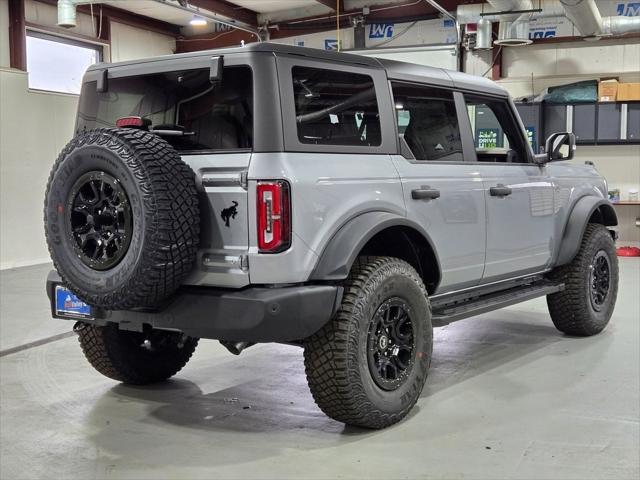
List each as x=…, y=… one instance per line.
x=585, y=306
x=135, y=357
x=368, y=365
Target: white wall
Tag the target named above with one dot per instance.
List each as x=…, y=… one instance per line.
x=34, y=127
x=129, y=43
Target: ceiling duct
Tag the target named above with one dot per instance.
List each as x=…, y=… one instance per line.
x=513, y=33
x=583, y=13
x=586, y=17
x=484, y=33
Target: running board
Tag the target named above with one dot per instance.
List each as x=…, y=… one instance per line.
x=445, y=314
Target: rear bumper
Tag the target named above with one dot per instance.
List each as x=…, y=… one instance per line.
x=254, y=314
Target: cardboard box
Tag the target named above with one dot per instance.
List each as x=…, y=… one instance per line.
x=608, y=90
x=628, y=91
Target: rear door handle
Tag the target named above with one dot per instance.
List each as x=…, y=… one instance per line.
x=425, y=193
x=500, y=190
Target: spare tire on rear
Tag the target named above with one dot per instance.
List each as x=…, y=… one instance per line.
x=121, y=218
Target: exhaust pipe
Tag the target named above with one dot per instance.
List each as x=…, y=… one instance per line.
x=236, y=347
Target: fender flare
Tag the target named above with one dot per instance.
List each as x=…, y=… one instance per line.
x=342, y=249
x=577, y=224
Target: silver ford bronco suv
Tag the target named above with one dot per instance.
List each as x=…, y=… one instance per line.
x=341, y=203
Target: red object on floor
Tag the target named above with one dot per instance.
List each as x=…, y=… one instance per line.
x=628, y=252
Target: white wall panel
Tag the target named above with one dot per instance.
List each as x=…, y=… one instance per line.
x=34, y=127
x=129, y=43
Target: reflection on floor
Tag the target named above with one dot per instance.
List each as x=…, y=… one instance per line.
x=507, y=396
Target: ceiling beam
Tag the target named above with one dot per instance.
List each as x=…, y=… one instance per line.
x=332, y=4
x=227, y=9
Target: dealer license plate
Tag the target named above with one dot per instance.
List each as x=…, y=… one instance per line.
x=68, y=305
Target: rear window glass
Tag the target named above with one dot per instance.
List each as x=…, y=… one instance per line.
x=192, y=113
x=335, y=108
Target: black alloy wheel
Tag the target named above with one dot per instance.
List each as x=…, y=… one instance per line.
x=99, y=219
x=600, y=279
x=391, y=344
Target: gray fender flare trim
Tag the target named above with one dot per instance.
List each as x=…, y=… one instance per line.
x=577, y=224
x=338, y=256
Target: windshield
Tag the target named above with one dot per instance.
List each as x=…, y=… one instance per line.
x=183, y=106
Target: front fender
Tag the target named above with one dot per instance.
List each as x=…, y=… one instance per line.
x=338, y=256
x=579, y=217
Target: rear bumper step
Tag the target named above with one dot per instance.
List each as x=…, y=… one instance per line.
x=281, y=314
x=493, y=301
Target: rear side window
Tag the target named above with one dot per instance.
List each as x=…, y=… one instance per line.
x=428, y=121
x=193, y=114
x=335, y=108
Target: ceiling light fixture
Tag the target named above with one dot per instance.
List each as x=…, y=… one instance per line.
x=197, y=21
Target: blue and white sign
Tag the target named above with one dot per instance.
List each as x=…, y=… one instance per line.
x=628, y=9
x=67, y=304
x=330, y=44
x=381, y=30
x=542, y=33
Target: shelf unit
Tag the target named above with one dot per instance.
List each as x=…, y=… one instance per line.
x=606, y=123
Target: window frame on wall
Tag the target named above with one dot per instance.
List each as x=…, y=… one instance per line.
x=34, y=32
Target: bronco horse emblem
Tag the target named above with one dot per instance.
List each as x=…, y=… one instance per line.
x=229, y=212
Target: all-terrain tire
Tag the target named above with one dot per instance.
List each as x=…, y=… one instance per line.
x=157, y=192
x=574, y=310
x=336, y=357
x=135, y=357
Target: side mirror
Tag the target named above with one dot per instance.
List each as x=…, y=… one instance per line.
x=560, y=146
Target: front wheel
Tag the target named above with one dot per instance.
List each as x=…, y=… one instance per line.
x=137, y=358
x=585, y=306
x=368, y=365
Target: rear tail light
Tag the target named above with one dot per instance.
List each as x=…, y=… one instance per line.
x=133, y=122
x=274, y=216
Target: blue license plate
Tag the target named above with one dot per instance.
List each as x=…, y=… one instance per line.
x=68, y=305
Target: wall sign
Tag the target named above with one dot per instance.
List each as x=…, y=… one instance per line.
x=629, y=9
x=330, y=44
x=381, y=30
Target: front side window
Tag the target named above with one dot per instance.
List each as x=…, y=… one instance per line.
x=497, y=137
x=428, y=122
x=195, y=114
x=57, y=64
x=335, y=108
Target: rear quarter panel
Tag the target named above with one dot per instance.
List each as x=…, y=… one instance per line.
x=327, y=190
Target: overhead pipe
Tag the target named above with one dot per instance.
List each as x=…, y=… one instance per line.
x=472, y=13
x=458, y=28
x=586, y=17
x=584, y=14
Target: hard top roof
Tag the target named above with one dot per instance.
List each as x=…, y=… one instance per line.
x=395, y=70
